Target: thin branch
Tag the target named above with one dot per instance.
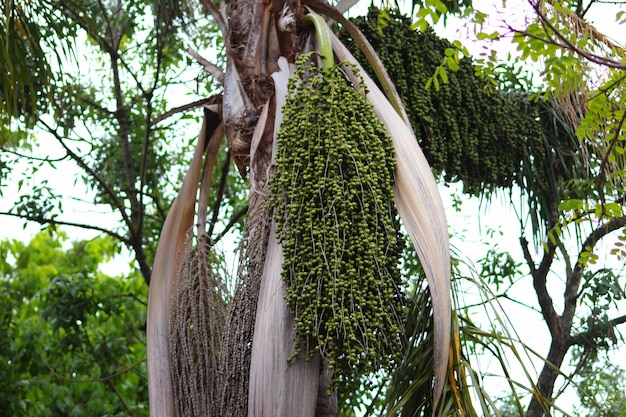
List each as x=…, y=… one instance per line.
x=220, y=192
x=585, y=337
x=33, y=158
x=617, y=321
x=584, y=12
x=102, y=379
x=503, y=295
x=43, y=220
x=183, y=108
x=81, y=163
x=219, y=18
x=591, y=241
x=95, y=105
x=233, y=220
x=573, y=280
x=132, y=296
x=209, y=67
x=107, y=381
x=566, y=257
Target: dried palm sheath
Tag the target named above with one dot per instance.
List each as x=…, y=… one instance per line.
x=166, y=262
x=198, y=312
x=278, y=387
x=237, y=336
x=171, y=242
x=421, y=210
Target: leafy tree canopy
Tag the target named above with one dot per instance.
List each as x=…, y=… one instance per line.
x=72, y=338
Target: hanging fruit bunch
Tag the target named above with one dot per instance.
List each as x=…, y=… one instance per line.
x=332, y=197
x=468, y=130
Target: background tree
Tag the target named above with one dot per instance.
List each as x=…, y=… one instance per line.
x=73, y=338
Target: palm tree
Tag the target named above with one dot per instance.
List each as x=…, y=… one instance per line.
x=243, y=362
x=262, y=39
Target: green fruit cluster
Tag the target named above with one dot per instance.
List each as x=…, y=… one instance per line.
x=468, y=130
x=332, y=198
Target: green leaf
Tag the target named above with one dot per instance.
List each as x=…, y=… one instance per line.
x=436, y=82
x=571, y=205
x=481, y=36
x=438, y=4
x=443, y=74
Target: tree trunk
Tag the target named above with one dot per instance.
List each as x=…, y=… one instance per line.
x=276, y=386
x=547, y=378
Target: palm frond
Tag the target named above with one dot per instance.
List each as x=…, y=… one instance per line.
x=24, y=71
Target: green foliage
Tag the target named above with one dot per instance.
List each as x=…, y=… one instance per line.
x=71, y=339
x=496, y=267
x=600, y=292
x=333, y=203
x=96, y=113
x=601, y=385
x=24, y=70
x=583, y=71
x=429, y=12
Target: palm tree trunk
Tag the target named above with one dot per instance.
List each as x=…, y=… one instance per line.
x=277, y=386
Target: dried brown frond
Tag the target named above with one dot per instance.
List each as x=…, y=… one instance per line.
x=572, y=102
x=583, y=29
x=198, y=311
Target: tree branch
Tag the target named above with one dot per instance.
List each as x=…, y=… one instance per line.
x=543, y=296
x=219, y=18
x=209, y=67
x=183, y=108
x=43, y=220
x=540, y=275
x=573, y=280
x=587, y=337
x=566, y=44
x=527, y=256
